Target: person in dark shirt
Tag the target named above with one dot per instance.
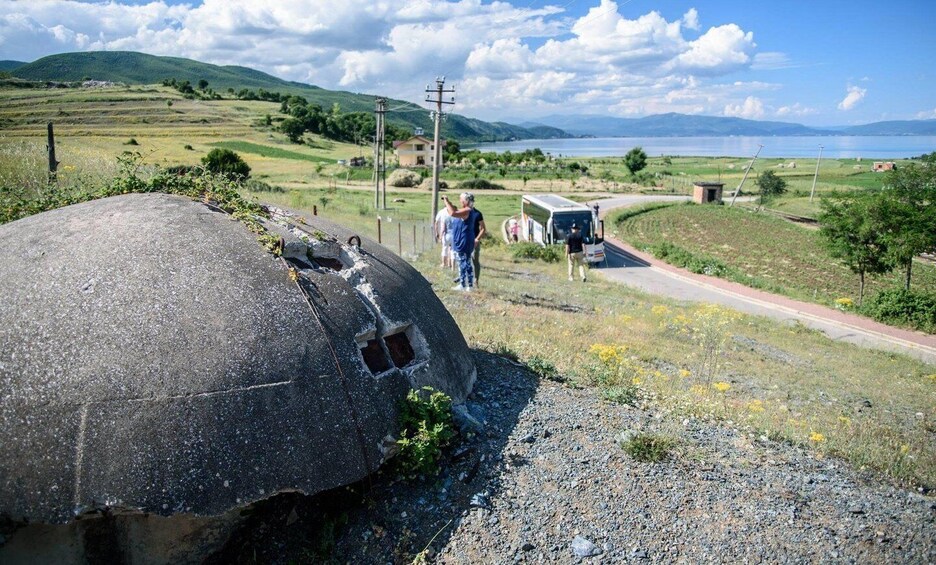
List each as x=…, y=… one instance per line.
x=479, y=230
x=575, y=251
x=464, y=220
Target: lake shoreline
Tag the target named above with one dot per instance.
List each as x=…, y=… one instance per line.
x=866, y=148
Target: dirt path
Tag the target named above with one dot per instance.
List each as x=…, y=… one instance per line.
x=641, y=270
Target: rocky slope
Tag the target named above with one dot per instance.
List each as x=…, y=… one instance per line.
x=547, y=481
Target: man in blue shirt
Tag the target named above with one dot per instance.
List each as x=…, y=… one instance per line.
x=464, y=220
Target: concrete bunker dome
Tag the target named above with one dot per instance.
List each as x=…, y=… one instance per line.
x=153, y=356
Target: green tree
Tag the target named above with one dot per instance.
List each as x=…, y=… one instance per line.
x=293, y=128
x=226, y=162
x=770, y=186
x=635, y=160
x=909, y=220
x=850, y=228
x=202, y=84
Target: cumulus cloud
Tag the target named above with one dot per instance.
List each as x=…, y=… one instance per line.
x=926, y=115
x=854, y=96
x=691, y=19
x=507, y=59
x=752, y=109
x=720, y=50
x=795, y=109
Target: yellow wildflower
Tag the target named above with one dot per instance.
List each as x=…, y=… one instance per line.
x=816, y=437
x=698, y=389
x=660, y=310
x=844, y=303
x=756, y=406
x=904, y=449
x=845, y=420
x=721, y=386
x=684, y=373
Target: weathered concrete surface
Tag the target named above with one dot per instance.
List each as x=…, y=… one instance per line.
x=153, y=356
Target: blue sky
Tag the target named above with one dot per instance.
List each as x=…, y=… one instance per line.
x=831, y=62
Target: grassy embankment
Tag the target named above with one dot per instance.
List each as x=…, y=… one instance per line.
x=769, y=379
x=756, y=249
x=792, y=384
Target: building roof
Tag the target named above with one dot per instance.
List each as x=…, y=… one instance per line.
x=416, y=138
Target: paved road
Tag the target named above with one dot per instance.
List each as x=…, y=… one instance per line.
x=635, y=269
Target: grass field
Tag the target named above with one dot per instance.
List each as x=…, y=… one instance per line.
x=765, y=251
x=104, y=120
x=789, y=383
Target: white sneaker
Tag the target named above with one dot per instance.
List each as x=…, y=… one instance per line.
x=458, y=287
x=467, y=289
x=570, y=278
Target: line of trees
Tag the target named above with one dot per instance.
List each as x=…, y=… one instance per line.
x=350, y=127
x=877, y=232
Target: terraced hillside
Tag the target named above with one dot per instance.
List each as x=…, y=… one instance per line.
x=163, y=126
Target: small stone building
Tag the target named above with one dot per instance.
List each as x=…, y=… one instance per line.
x=707, y=192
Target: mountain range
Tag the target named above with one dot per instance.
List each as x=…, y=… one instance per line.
x=140, y=68
x=676, y=125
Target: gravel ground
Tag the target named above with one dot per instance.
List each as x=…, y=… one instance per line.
x=547, y=481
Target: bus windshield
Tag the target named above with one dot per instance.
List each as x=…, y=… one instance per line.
x=562, y=224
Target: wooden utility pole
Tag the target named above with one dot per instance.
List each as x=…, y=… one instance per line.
x=380, y=150
x=816, y=176
x=53, y=164
x=746, y=171
x=438, y=92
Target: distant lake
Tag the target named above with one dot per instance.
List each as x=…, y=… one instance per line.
x=868, y=147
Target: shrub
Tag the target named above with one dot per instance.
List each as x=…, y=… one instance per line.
x=226, y=162
x=260, y=186
x=543, y=367
x=529, y=250
x=131, y=141
x=426, y=422
x=426, y=184
x=646, y=447
x=903, y=307
x=626, y=394
x=404, y=178
x=699, y=264
x=479, y=184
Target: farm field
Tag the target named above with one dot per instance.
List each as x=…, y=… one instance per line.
x=165, y=128
x=765, y=251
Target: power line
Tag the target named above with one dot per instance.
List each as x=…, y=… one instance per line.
x=380, y=153
x=439, y=91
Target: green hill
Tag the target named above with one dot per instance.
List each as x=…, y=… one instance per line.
x=139, y=68
x=7, y=66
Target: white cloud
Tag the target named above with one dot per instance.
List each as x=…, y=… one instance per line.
x=771, y=61
x=926, y=115
x=752, y=109
x=854, y=96
x=691, y=19
x=507, y=60
x=720, y=50
x=795, y=109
